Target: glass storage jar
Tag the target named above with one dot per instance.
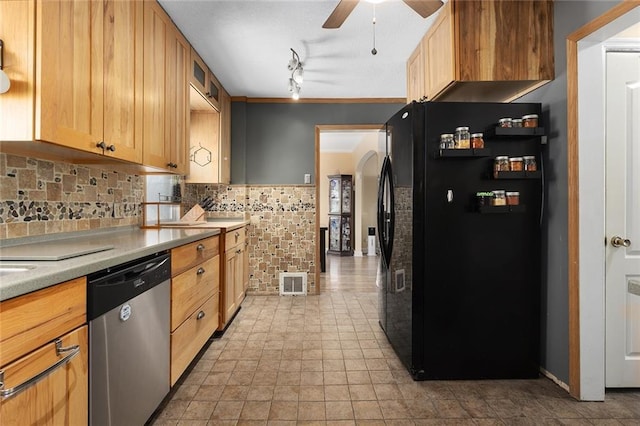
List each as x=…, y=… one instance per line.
x=530, y=120
x=513, y=198
x=530, y=163
x=446, y=141
x=516, y=164
x=505, y=122
x=462, y=138
x=516, y=122
x=500, y=164
x=499, y=198
x=477, y=141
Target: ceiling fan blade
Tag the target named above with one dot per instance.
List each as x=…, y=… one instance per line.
x=340, y=13
x=424, y=8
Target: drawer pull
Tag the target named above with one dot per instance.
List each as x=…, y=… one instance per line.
x=200, y=315
x=200, y=271
x=72, y=351
x=200, y=247
x=238, y=251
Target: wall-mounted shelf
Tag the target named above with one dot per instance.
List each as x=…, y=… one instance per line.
x=520, y=208
x=517, y=175
x=461, y=153
x=516, y=131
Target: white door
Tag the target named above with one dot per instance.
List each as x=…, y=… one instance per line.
x=622, y=212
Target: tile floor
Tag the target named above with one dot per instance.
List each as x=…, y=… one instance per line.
x=324, y=360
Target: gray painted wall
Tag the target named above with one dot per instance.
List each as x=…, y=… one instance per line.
x=568, y=17
x=277, y=140
x=274, y=144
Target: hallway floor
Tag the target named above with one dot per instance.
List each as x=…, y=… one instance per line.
x=324, y=360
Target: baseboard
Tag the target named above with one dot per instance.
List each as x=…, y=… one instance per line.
x=358, y=253
x=554, y=379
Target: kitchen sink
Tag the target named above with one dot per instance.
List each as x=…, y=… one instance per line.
x=12, y=269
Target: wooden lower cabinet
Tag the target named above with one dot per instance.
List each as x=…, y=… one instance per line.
x=191, y=336
x=235, y=274
x=195, y=300
x=61, y=398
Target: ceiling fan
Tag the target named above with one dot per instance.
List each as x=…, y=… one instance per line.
x=423, y=8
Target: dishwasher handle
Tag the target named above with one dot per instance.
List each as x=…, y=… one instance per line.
x=8, y=393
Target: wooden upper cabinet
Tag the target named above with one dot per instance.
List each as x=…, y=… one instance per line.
x=203, y=80
x=88, y=78
x=76, y=82
x=415, y=75
x=166, y=102
x=473, y=53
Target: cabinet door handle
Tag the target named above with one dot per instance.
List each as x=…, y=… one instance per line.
x=111, y=148
x=238, y=251
x=72, y=351
x=101, y=145
x=200, y=247
x=200, y=315
x=200, y=271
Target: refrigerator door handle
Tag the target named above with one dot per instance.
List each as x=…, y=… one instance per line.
x=386, y=223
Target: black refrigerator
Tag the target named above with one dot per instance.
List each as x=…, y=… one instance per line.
x=459, y=280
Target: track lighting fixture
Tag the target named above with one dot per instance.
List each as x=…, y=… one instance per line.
x=297, y=75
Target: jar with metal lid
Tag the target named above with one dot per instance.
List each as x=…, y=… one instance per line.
x=500, y=164
x=505, y=122
x=484, y=198
x=446, y=141
x=462, y=138
x=530, y=120
x=530, y=163
x=516, y=164
x=499, y=198
x=513, y=198
x=477, y=141
x=516, y=122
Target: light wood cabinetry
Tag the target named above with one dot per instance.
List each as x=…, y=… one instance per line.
x=472, y=52
x=195, y=292
x=38, y=330
x=77, y=82
x=203, y=80
x=166, y=96
x=415, y=74
x=235, y=274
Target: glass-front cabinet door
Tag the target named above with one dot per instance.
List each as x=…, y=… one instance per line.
x=340, y=215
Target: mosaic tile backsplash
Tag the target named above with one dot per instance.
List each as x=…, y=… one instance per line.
x=281, y=232
x=43, y=197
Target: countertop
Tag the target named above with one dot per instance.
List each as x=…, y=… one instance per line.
x=129, y=244
x=225, y=225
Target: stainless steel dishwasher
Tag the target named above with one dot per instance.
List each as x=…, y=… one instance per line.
x=128, y=308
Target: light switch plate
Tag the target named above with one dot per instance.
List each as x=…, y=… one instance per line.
x=307, y=178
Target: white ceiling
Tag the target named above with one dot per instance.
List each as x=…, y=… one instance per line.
x=343, y=141
x=246, y=44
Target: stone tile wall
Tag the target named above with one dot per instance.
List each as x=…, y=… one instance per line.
x=43, y=197
x=281, y=232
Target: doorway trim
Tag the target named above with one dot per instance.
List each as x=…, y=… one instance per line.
x=586, y=368
x=323, y=128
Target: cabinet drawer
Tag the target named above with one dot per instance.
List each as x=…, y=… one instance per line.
x=234, y=238
x=191, y=288
x=61, y=397
x=29, y=321
x=191, y=336
x=189, y=255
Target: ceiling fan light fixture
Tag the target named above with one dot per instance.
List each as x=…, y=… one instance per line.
x=298, y=75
